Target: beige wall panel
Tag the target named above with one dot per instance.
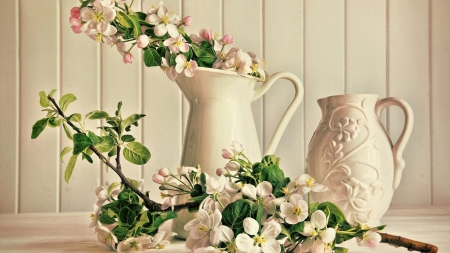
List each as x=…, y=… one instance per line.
x=409, y=80
x=283, y=50
x=79, y=72
x=162, y=125
x=324, y=57
x=440, y=87
x=9, y=99
x=39, y=165
x=243, y=20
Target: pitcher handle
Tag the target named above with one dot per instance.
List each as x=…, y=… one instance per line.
x=290, y=110
x=399, y=147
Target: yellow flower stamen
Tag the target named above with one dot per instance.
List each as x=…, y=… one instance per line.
x=99, y=37
x=178, y=43
x=92, y=216
x=259, y=240
x=165, y=19
x=255, y=67
x=187, y=65
x=159, y=246
x=309, y=182
x=216, y=35
x=98, y=17
x=297, y=210
x=231, y=247
x=285, y=191
x=203, y=228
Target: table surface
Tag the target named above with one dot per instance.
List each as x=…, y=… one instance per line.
x=69, y=232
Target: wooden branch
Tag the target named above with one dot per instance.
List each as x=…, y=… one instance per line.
x=150, y=204
x=411, y=245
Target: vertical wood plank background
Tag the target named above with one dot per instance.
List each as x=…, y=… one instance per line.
x=390, y=48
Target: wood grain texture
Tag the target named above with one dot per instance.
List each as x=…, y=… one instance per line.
x=324, y=57
x=440, y=88
x=243, y=20
x=284, y=54
x=9, y=99
x=79, y=75
x=409, y=67
x=39, y=162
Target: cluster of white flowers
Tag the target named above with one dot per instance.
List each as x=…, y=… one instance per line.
x=100, y=19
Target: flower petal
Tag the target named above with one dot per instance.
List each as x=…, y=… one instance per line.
x=271, y=230
x=318, y=219
x=173, y=30
x=244, y=242
x=249, y=191
x=271, y=246
x=328, y=235
x=307, y=244
x=264, y=189
x=251, y=226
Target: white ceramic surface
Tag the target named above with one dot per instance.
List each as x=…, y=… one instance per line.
x=220, y=112
x=351, y=153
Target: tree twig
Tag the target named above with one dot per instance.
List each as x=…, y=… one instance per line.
x=150, y=204
x=411, y=245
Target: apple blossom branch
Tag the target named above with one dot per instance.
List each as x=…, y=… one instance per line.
x=150, y=204
x=411, y=245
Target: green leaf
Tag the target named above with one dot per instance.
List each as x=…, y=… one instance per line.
x=132, y=119
x=285, y=232
x=278, y=189
x=76, y=117
x=97, y=115
x=43, y=100
x=340, y=250
x=112, y=152
x=136, y=153
x=65, y=100
x=259, y=214
x=87, y=157
x=69, y=168
x=38, y=127
x=205, y=53
x=124, y=20
x=158, y=218
x=67, y=131
x=105, y=219
x=80, y=142
x=112, y=187
x=120, y=233
x=272, y=174
x=298, y=227
x=94, y=138
x=65, y=151
x=152, y=58
x=128, y=195
x=196, y=191
x=126, y=215
x=234, y=214
x=336, y=215
x=50, y=94
x=127, y=138
x=54, y=122
x=269, y=160
x=106, y=144
x=136, y=26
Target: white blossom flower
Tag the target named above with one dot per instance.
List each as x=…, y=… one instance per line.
x=164, y=22
x=295, y=210
x=105, y=236
x=106, y=192
x=94, y=216
x=133, y=244
x=189, y=67
x=203, y=35
x=214, y=186
x=103, y=32
x=307, y=184
x=103, y=12
x=262, y=192
x=176, y=45
x=160, y=240
x=200, y=228
x=370, y=239
x=170, y=71
x=317, y=233
x=265, y=242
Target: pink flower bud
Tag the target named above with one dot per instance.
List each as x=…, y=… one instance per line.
x=75, y=21
x=164, y=172
x=142, y=41
x=227, y=39
x=77, y=29
x=187, y=21
x=221, y=171
x=232, y=165
x=205, y=34
x=227, y=154
x=158, y=179
x=75, y=12
x=128, y=58
x=371, y=239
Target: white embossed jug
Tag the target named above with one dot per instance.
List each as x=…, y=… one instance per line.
x=351, y=153
x=220, y=112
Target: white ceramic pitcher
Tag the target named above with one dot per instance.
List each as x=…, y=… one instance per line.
x=351, y=153
x=220, y=112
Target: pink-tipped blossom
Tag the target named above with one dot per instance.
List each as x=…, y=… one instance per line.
x=187, y=21
x=227, y=153
x=221, y=171
x=183, y=64
x=176, y=45
x=75, y=12
x=164, y=22
x=203, y=35
x=142, y=41
x=370, y=239
x=77, y=29
x=157, y=178
x=75, y=21
x=128, y=58
x=227, y=39
x=170, y=71
x=232, y=165
x=164, y=172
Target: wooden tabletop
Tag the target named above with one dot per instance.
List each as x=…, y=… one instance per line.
x=69, y=232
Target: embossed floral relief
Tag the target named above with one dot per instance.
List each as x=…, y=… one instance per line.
x=347, y=129
x=353, y=192
x=332, y=153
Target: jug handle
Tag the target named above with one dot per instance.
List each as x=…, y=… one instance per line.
x=290, y=110
x=399, y=147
